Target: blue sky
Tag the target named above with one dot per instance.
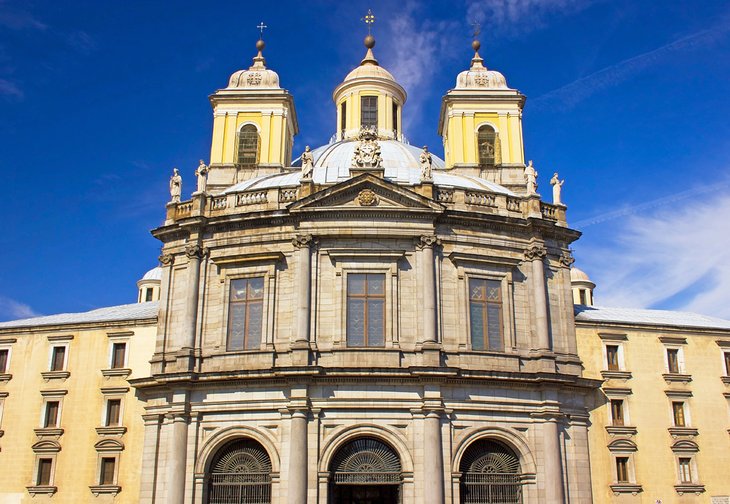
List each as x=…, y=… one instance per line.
x=626, y=100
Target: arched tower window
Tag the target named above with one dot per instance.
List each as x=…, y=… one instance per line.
x=487, y=143
x=490, y=473
x=240, y=473
x=248, y=146
x=366, y=470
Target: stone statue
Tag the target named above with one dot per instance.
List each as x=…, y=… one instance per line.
x=426, y=161
x=175, y=186
x=531, y=178
x=307, y=164
x=557, y=188
x=202, y=173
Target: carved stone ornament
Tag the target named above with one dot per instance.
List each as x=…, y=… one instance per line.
x=428, y=241
x=535, y=252
x=253, y=79
x=166, y=259
x=300, y=241
x=567, y=259
x=193, y=251
x=367, y=150
x=367, y=197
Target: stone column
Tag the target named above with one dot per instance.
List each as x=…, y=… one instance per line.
x=433, y=467
x=535, y=255
x=148, y=469
x=304, y=281
x=427, y=244
x=553, y=462
x=177, y=443
x=298, y=458
x=194, y=253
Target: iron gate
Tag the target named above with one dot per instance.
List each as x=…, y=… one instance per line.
x=240, y=474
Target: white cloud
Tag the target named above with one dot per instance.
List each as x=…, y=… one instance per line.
x=676, y=257
x=18, y=19
x=10, y=90
x=512, y=18
x=13, y=310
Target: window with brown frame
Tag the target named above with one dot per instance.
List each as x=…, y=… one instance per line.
x=106, y=470
x=366, y=310
x=113, y=410
x=245, y=313
x=58, y=358
x=43, y=478
x=673, y=360
x=685, y=469
x=395, y=117
x=727, y=363
x=4, y=353
x=617, y=412
x=369, y=111
x=148, y=294
x=343, y=116
x=678, y=414
x=622, y=469
x=485, y=314
x=248, y=146
x=486, y=139
x=50, y=418
x=119, y=351
x=612, y=363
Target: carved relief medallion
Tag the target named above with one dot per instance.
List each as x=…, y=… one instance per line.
x=367, y=197
x=254, y=79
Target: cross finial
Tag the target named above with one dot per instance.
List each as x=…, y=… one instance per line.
x=477, y=28
x=262, y=27
x=369, y=19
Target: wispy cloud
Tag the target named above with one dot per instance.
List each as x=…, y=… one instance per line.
x=12, y=310
x=676, y=257
x=10, y=90
x=569, y=95
x=18, y=19
x=81, y=42
x=513, y=18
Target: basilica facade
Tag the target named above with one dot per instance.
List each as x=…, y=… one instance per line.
x=366, y=323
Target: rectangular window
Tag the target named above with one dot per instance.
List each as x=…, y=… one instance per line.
x=612, y=357
x=622, y=469
x=485, y=311
x=343, y=116
x=678, y=414
x=106, y=470
x=50, y=419
x=4, y=353
x=43, y=478
x=366, y=310
x=727, y=363
x=113, y=409
x=673, y=360
x=617, y=411
x=245, y=313
x=369, y=111
x=58, y=358
x=148, y=294
x=685, y=470
x=119, y=351
x=395, y=118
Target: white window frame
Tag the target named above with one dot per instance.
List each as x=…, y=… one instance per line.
x=685, y=411
x=694, y=478
x=36, y=468
x=117, y=341
x=624, y=410
x=99, y=458
x=105, y=410
x=9, y=348
x=44, y=410
x=265, y=306
x=65, y=356
x=621, y=361
x=3, y=395
x=680, y=359
x=629, y=466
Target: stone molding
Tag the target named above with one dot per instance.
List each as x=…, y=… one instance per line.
x=535, y=252
x=196, y=251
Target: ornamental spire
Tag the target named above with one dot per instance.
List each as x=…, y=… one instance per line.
x=259, y=62
x=476, y=61
x=369, y=41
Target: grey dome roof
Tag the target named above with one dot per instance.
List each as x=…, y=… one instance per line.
x=400, y=162
x=155, y=274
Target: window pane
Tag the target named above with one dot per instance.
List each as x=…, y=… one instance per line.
x=376, y=322
x=44, y=472
x=248, y=145
x=685, y=470
x=617, y=411
x=355, y=322
x=255, y=320
x=612, y=357
x=355, y=284
x=59, y=354
x=477, y=325
x=395, y=117
x=727, y=363
x=107, y=471
x=622, y=469
x=477, y=289
x=343, y=116
x=485, y=140
x=376, y=285
x=118, y=351
x=148, y=295
x=238, y=289
x=369, y=110
x=113, y=407
x=494, y=291
x=673, y=360
x=256, y=288
x=236, y=326
x=51, y=419
x=4, y=361
x=678, y=409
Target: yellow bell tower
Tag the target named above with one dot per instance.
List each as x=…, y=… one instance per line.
x=254, y=124
x=481, y=126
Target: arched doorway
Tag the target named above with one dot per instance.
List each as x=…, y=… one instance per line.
x=490, y=474
x=365, y=471
x=240, y=473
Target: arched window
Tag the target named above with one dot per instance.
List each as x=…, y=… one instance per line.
x=248, y=146
x=490, y=473
x=487, y=143
x=366, y=470
x=240, y=473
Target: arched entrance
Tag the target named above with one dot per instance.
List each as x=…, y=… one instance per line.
x=365, y=471
x=240, y=474
x=490, y=474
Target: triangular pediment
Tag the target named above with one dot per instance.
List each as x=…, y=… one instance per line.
x=366, y=192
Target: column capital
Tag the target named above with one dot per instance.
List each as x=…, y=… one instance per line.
x=195, y=251
x=535, y=251
x=428, y=241
x=302, y=241
x=166, y=259
x=178, y=416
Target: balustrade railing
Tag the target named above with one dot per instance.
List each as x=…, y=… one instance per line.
x=251, y=198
